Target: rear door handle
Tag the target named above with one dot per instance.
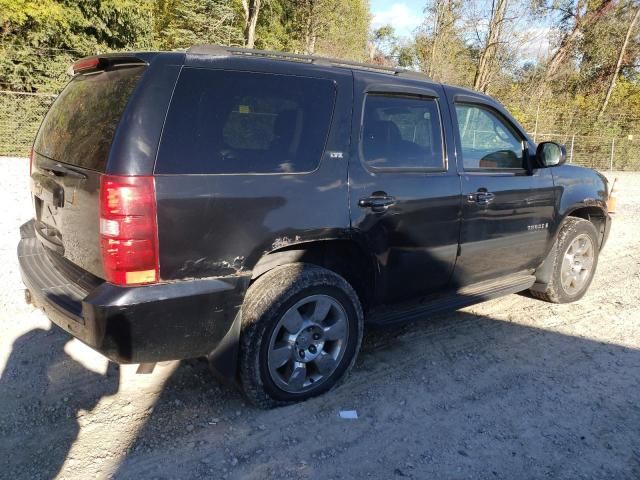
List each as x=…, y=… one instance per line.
x=481, y=198
x=377, y=203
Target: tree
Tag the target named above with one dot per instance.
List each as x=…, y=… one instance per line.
x=489, y=49
x=251, y=12
x=347, y=31
x=382, y=42
x=183, y=23
x=40, y=38
x=441, y=47
x=313, y=18
x=616, y=71
x=274, y=29
x=444, y=18
x=575, y=19
x=332, y=27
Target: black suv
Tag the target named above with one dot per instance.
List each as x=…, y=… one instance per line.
x=258, y=208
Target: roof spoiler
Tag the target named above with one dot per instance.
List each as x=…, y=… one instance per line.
x=103, y=62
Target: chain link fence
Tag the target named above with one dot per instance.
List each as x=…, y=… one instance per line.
x=616, y=148
x=20, y=117
x=601, y=153
x=609, y=142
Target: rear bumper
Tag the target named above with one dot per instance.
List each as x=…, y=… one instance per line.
x=142, y=324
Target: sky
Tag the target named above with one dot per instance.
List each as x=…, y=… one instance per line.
x=406, y=15
x=403, y=15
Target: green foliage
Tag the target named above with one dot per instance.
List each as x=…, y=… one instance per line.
x=328, y=27
x=183, y=23
x=346, y=35
x=39, y=39
x=275, y=24
x=20, y=117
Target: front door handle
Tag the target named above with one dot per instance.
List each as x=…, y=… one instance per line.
x=377, y=203
x=481, y=197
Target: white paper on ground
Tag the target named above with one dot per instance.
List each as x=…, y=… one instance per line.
x=349, y=414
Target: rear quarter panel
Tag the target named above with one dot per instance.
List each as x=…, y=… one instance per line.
x=221, y=224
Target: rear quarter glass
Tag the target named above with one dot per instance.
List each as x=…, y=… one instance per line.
x=230, y=122
x=79, y=127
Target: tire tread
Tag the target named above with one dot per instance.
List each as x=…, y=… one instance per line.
x=264, y=298
x=568, y=230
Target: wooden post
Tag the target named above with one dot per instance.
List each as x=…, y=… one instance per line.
x=613, y=143
x=535, y=128
x=573, y=139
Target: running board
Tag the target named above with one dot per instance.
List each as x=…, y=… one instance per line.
x=464, y=297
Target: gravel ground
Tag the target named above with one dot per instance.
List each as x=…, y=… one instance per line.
x=513, y=388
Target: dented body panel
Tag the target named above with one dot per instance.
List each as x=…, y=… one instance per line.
x=231, y=220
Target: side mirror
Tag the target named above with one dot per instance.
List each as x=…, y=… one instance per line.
x=550, y=154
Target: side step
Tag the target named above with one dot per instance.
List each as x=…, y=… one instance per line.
x=464, y=297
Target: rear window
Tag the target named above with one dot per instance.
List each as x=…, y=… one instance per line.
x=80, y=125
x=239, y=122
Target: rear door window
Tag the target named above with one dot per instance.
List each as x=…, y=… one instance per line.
x=402, y=133
x=224, y=121
x=79, y=127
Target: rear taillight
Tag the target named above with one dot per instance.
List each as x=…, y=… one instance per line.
x=30, y=162
x=128, y=229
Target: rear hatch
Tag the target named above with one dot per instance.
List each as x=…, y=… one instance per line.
x=70, y=155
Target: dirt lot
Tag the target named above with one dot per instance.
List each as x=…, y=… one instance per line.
x=513, y=388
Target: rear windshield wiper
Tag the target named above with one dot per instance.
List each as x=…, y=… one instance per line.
x=62, y=171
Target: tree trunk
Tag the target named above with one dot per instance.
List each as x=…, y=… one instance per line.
x=612, y=83
x=310, y=32
x=436, y=34
x=486, y=63
x=251, y=12
x=583, y=21
x=311, y=44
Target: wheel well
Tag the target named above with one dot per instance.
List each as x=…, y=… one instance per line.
x=345, y=257
x=595, y=215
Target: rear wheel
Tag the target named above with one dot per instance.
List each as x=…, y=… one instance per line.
x=575, y=262
x=301, y=331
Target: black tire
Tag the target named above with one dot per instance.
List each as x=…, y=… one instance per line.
x=571, y=228
x=266, y=301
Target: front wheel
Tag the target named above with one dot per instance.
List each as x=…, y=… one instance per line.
x=575, y=263
x=301, y=331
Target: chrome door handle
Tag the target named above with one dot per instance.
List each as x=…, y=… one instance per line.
x=481, y=198
x=377, y=203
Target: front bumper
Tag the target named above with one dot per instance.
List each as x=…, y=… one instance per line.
x=144, y=324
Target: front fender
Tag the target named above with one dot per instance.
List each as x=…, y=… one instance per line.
x=580, y=192
x=578, y=188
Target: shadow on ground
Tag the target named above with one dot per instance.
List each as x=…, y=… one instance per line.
x=42, y=390
x=459, y=396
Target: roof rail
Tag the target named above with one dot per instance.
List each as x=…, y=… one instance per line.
x=222, y=51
